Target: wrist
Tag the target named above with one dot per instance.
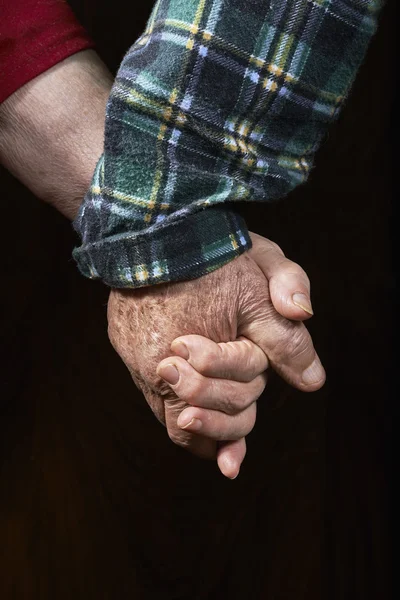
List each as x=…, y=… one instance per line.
x=52, y=130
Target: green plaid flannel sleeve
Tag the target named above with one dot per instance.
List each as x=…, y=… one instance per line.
x=218, y=101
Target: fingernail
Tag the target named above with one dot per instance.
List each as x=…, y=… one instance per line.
x=314, y=373
x=302, y=301
x=181, y=349
x=169, y=373
x=188, y=423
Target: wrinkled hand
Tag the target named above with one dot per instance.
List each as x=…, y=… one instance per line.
x=240, y=299
x=221, y=382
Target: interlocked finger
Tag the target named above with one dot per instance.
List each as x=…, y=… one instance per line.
x=241, y=360
x=227, y=396
x=216, y=425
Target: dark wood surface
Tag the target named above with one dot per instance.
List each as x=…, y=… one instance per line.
x=96, y=502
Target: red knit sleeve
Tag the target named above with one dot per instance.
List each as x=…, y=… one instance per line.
x=34, y=36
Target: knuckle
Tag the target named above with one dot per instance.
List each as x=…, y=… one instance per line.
x=233, y=402
x=252, y=363
x=193, y=391
x=230, y=407
x=229, y=358
x=238, y=358
x=295, y=268
x=164, y=391
x=205, y=362
x=259, y=386
x=293, y=343
x=299, y=273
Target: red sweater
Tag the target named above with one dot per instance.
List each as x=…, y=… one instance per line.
x=34, y=36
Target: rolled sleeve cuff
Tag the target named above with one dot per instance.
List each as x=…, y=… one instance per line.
x=191, y=247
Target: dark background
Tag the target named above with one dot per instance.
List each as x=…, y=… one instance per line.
x=96, y=502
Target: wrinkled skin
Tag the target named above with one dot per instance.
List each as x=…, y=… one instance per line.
x=232, y=301
x=144, y=322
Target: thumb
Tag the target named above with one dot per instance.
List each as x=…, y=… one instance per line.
x=289, y=285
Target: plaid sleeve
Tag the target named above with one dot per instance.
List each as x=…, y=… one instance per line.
x=219, y=100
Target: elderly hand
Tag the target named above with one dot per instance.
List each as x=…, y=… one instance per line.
x=217, y=380
x=258, y=295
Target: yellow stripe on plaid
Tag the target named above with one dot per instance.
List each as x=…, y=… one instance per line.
x=222, y=44
x=141, y=273
x=238, y=117
x=96, y=191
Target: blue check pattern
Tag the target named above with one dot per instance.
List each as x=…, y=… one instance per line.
x=218, y=101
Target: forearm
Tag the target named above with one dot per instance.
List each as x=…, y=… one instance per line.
x=52, y=130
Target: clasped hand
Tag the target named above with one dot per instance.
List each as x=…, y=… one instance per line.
x=200, y=350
